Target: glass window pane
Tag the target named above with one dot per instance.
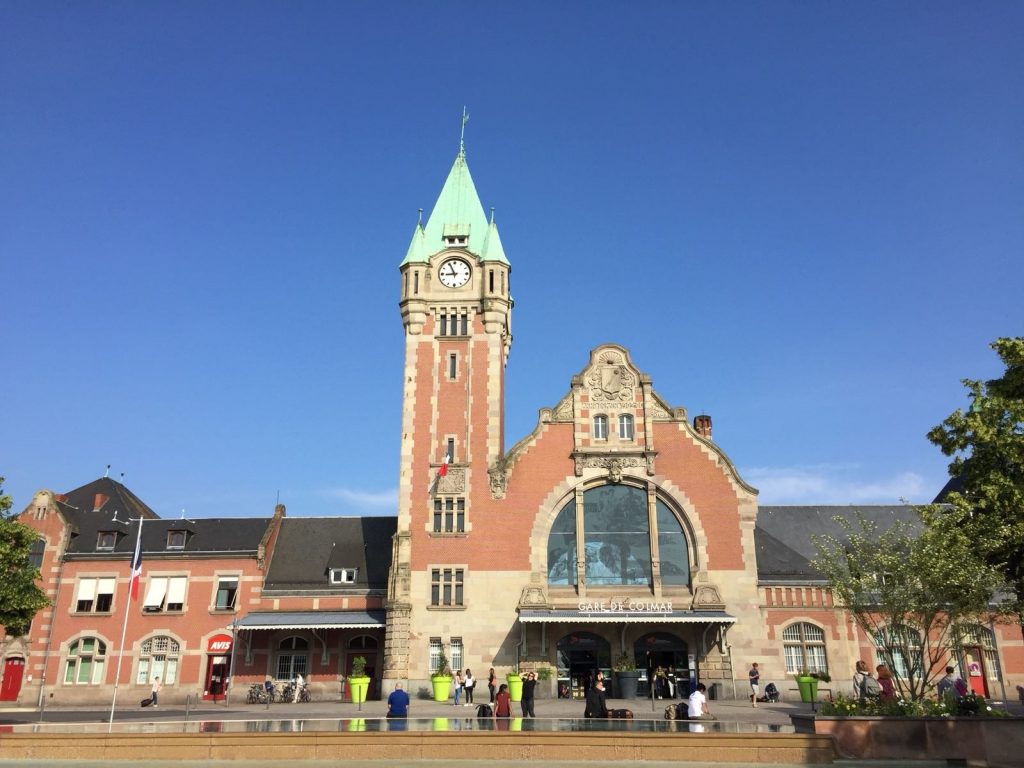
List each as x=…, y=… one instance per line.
x=562, y=547
x=143, y=675
x=69, y=672
x=616, y=536
x=97, y=676
x=672, y=548
x=84, y=669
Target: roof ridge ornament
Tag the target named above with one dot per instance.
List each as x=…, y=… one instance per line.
x=462, y=132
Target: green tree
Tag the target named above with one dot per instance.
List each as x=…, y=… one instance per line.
x=987, y=443
x=908, y=587
x=20, y=596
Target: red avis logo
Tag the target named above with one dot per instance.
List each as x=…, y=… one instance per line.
x=220, y=645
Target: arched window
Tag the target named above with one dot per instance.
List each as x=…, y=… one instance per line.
x=626, y=426
x=617, y=540
x=86, y=662
x=35, y=553
x=292, y=658
x=159, y=657
x=600, y=427
x=904, y=651
x=804, y=646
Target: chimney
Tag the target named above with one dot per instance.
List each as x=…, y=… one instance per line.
x=702, y=425
x=101, y=499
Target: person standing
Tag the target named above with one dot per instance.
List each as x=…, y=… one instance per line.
x=529, y=688
x=300, y=681
x=398, y=702
x=755, y=683
x=503, y=703
x=492, y=684
x=154, y=693
x=860, y=674
x=886, y=683
x=467, y=684
x=697, y=706
x=457, y=684
x=596, y=704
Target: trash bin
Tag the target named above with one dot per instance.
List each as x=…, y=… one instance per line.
x=715, y=691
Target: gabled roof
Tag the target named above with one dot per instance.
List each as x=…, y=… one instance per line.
x=308, y=548
x=784, y=536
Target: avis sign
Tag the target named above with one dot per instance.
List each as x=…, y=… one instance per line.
x=219, y=644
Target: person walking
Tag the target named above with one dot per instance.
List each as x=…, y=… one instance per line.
x=300, y=681
x=468, y=683
x=492, y=683
x=529, y=688
x=154, y=693
x=755, y=683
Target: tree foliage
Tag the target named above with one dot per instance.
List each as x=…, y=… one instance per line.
x=909, y=588
x=987, y=443
x=20, y=596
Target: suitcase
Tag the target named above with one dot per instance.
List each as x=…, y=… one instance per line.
x=145, y=702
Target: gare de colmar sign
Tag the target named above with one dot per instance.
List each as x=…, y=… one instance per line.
x=625, y=605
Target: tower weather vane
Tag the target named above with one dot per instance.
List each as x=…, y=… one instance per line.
x=462, y=133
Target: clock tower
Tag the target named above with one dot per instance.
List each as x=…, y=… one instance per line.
x=456, y=312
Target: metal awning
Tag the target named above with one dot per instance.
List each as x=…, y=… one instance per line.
x=313, y=620
x=568, y=616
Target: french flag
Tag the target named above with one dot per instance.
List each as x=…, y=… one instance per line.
x=443, y=471
x=137, y=564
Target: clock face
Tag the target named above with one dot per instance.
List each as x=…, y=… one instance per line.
x=454, y=273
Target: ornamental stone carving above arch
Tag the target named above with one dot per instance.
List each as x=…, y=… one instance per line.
x=610, y=380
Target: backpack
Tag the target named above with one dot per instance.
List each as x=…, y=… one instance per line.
x=484, y=710
x=870, y=687
x=960, y=686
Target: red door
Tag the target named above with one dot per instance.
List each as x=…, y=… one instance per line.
x=14, y=668
x=974, y=668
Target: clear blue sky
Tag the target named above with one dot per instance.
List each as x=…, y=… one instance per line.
x=805, y=219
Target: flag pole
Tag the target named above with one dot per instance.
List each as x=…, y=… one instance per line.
x=124, y=627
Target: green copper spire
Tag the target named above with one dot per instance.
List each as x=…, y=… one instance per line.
x=492, y=245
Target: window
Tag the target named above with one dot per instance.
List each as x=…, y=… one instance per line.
x=86, y=662
x=435, y=655
x=446, y=586
x=292, y=658
x=451, y=449
x=106, y=540
x=975, y=639
x=626, y=426
x=165, y=593
x=490, y=280
x=804, y=646
x=94, y=595
x=449, y=515
x=456, y=652
x=35, y=553
x=227, y=589
x=617, y=540
x=176, y=539
x=453, y=366
x=416, y=283
x=600, y=427
x=158, y=657
x=344, y=575
x=464, y=321
x=444, y=325
x=904, y=651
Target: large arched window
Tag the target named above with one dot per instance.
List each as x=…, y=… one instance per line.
x=292, y=658
x=977, y=645
x=617, y=541
x=804, y=646
x=158, y=657
x=85, y=662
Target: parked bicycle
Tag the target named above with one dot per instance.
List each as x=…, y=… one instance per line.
x=288, y=694
x=257, y=695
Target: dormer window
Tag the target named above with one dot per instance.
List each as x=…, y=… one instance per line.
x=344, y=575
x=106, y=540
x=176, y=539
x=455, y=240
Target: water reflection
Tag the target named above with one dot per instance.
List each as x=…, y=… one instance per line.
x=383, y=725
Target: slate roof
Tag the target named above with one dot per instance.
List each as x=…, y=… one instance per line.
x=783, y=536
x=308, y=547
x=234, y=535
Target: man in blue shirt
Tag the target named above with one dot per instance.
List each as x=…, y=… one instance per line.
x=398, y=702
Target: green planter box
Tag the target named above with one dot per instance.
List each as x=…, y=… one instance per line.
x=515, y=686
x=442, y=686
x=808, y=688
x=357, y=687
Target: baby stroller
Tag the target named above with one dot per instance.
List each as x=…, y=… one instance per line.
x=771, y=693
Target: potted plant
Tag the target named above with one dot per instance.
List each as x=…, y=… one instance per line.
x=358, y=680
x=626, y=676
x=515, y=685
x=441, y=680
x=807, y=682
